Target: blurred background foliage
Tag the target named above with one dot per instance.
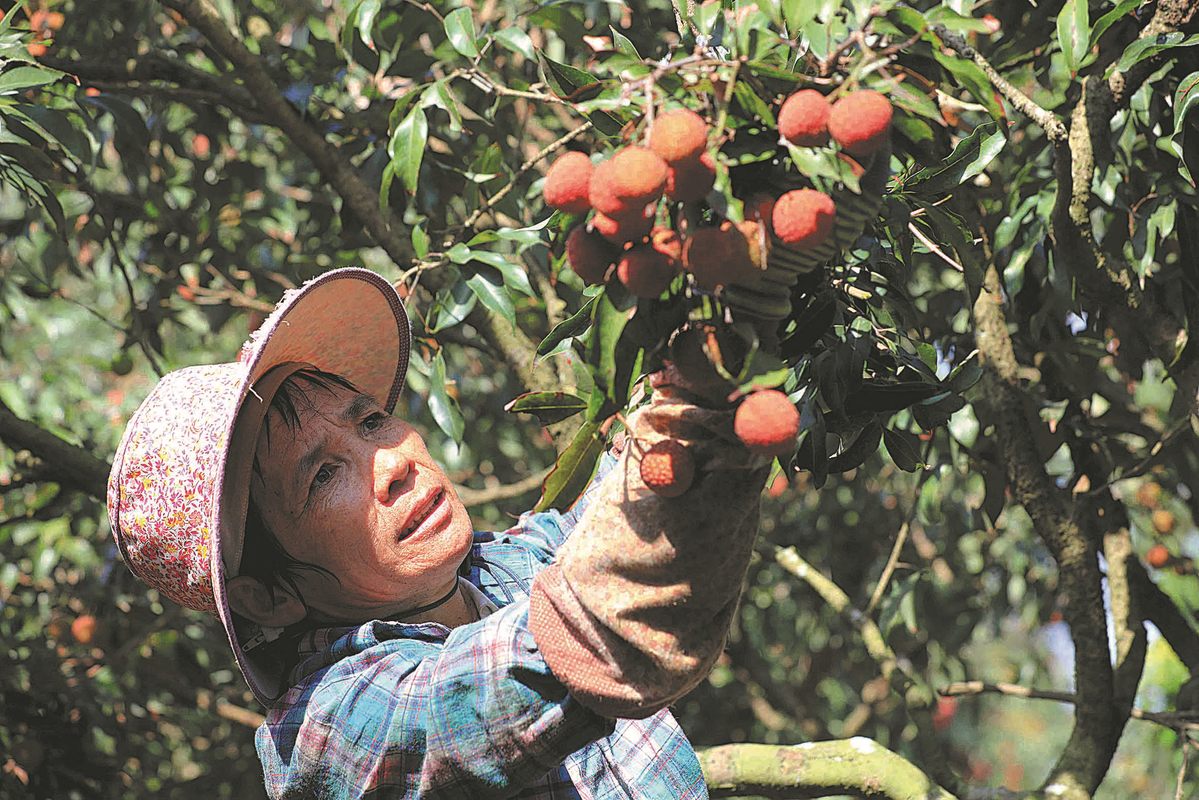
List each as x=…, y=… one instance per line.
x=154, y=203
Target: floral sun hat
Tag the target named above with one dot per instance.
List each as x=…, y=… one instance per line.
x=179, y=485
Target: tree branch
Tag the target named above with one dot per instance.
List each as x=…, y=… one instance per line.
x=859, y=766
x=1088, y=753
x=65, y=463
x=1175, y=720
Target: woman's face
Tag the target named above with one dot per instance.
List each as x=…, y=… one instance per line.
x=353, y=489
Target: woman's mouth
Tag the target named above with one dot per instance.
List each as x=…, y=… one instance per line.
x=430, y=515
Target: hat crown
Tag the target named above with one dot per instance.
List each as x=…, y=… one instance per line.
x=164, y=480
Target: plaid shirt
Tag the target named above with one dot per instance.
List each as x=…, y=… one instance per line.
x=393, y=710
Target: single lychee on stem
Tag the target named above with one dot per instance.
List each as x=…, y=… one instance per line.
x=860, y=122
x=668, y=468
x=803, y=218
x=803, y=118
x=567, y=183
x=767, y=423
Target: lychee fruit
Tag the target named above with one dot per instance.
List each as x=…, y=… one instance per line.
x=718, y=256
x=860, y=122
x=767, y=423
x=678, y=135
x=1157, y=556
x=627, y=182
x=690, y=181
x=83, y=628
x=567, y=183
x=803, y=218
x=803, y=119
x=589, y=254
x=646, y=271
x=625, y=228
x=668, y=468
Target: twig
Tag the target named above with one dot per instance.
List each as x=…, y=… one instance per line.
x=477, y=497
x=1047, y=120
x=932, y=246
x=1175, y=720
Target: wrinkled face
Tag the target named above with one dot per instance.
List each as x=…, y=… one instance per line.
x=354, y=490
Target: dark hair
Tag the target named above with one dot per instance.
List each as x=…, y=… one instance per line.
x=263, y=557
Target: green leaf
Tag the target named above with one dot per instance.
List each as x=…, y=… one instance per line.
x=364, y=20
x=548, y=407
x=15, y=80
x=564, y=79
x=1185, y=98
x=1074, y=32
x=798, y=13
x=904, y=449
x=748, y=99
x=970, y=157
x=420, y=241
x=491, y=293
x=1122, y=9
x=440, y=94
x=573, y=325
x=624, y=44
x=517, y=41
x=1150, y=46
x=407, y=147
x=573, y=470
x=444, y=408
x=460, y=29
x=608, y=322
x=965, y=374
x=452, y=305
x=514, y=275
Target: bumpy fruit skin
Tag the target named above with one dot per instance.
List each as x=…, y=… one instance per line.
x=767, y=423
x=803, y=119
x=718, y=256
x=690, y=181
x=589, y=254
x=624, y=229
x=1157, y=556
x=627, y=182
x=646, y=271
x=678, y=135
x=860, y=122
x=803, y=218
x=668, y=468
x=567, y=183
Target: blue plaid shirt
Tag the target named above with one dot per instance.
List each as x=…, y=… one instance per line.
x=393, y=710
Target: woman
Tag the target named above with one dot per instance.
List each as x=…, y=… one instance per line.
x=398, y=652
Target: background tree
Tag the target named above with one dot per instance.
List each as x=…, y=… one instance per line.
x=168, y=168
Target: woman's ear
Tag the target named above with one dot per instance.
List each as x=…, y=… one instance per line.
x=251, y=598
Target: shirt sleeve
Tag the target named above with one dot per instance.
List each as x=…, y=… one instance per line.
x=479, y=716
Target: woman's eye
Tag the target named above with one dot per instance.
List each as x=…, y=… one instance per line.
x=322, y=476
x=374, y=421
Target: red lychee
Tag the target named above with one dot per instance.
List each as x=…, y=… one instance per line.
x=718, y=256
x=767, y=423
x=589, y=254
x=860, y=122
x=690, y=181
x=627, y=228
x=83, y=628
x=567, y=183
x=668, y=468
x=1157, y=556
x=678, y=135
x=803, y=218
x=646, y=271
x=803, y=119
x=627, y=182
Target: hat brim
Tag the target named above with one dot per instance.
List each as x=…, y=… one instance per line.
x=348, y=322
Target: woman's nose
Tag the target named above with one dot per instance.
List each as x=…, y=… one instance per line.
x=392, y=471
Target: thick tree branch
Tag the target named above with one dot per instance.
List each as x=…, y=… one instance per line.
x=1087, y=755
x=859, y=766
x=65, y=463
